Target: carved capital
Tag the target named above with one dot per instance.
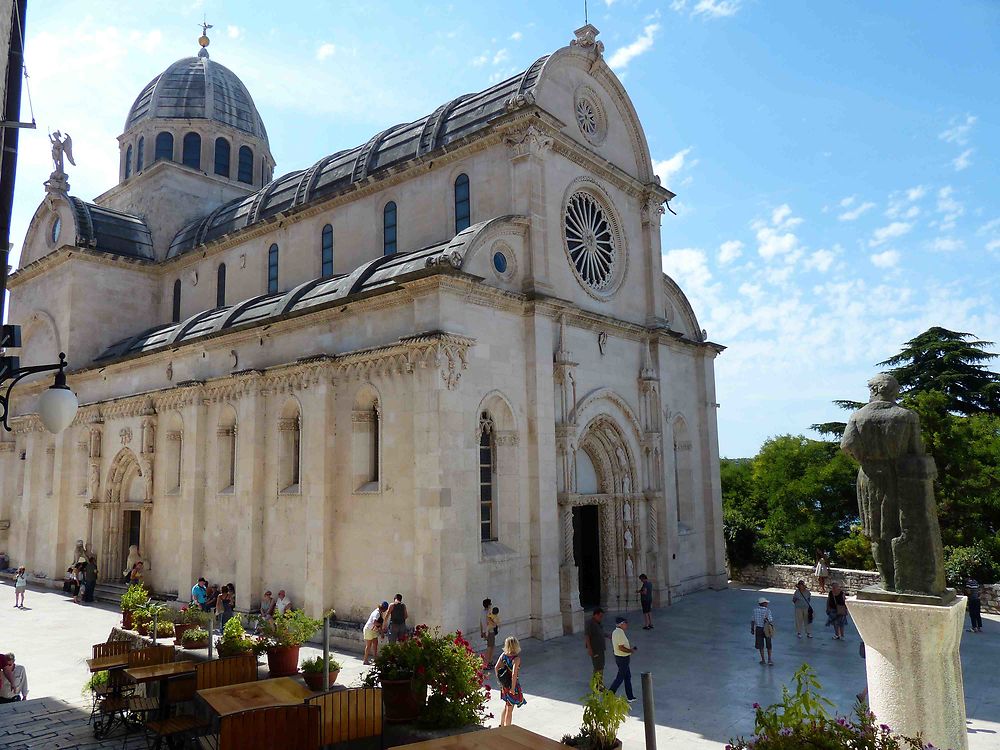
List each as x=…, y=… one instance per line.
x=528, y=142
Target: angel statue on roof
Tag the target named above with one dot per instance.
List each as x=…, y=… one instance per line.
x=61, y=146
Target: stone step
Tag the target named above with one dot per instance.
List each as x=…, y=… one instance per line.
x=109, y=592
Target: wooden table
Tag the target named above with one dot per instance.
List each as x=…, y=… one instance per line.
x=502, y=738
x=231, y=699
x=116, y=661
x=160, y=672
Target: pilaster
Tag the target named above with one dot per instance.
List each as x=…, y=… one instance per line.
x=191, y=500
x=252, y=417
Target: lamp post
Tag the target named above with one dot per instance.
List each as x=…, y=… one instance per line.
x=56, y=406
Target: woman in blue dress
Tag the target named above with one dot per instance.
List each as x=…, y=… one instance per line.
x=508, y=670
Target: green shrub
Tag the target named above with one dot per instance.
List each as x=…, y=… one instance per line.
x=194, y=635
x=740, y=533
x=290, y=628
x=97, y=680
x=235, y=640
x=977, y=561
x=603, y=714
x=135, y=596
x=854, y=551
x=315, y=665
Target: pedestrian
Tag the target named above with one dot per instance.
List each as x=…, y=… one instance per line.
x=7, y=671
x=623, y=651
x=594, y=637
x=822, y=569
x=486, y=632
x=373, y=629
x=90, y=578
x=508, y=670
x=20, y=586
x=396, y=615
x=762, y=627
x=17, y=690
x=645, y=593
x=78, y=581
x=223, y=607
x=974, y=605
x=135, y=574
x=836, y=610
x=802, y=601
x=199, y=594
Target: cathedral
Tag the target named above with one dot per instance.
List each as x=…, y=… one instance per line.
x=444, y=362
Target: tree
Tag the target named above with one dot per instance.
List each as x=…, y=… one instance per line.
x=947, y=362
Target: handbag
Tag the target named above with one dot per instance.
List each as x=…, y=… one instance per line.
x=768, y=629
x=504, y=675
x=810, y=614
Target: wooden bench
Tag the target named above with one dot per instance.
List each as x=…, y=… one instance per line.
x=348, y=715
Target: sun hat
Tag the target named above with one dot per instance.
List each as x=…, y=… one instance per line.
x=763, y=600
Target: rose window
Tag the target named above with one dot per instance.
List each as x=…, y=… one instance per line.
x=587, y=117
x=590, y=241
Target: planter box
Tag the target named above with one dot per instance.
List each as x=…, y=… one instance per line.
x=314, y=680
x=404, y=700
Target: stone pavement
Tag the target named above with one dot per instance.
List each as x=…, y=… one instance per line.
x=705, y=672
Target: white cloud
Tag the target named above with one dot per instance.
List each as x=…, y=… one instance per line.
x=716, y=8
x=148, y=42
x=959, y=130
x=667, y=168
x=516, y=36
x=500, y=57
x=901, y=203
x=730, y=251
x=883, y=234
x=821, y=260
x=857, y=211
x=886, y=259
x=991, y=229
x=916, y=193
x=480, y=61
x=945, y=244
x=949, y=208
x=774, y=239
x=963, y=160
x=326, y=50
x=234, y=32
x=643, y=43
x=847, y=201
x=689, y=267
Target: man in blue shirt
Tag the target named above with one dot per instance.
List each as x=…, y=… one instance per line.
x=199, y=594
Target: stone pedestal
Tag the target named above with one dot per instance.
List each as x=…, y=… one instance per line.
x=572, y=612
x=914, y=669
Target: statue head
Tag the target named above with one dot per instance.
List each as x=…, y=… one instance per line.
x=883, y=387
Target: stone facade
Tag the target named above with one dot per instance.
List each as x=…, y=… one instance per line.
x=474, y=415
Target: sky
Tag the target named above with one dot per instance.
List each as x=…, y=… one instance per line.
x=835, y=164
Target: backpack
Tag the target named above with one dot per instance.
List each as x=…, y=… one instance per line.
x=504, y=674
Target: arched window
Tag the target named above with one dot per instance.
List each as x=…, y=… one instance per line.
x=290, y=442
x=220, y=286
x=191, y=151
x=227, y=450
x=244, y=172
x=128, y=162
x=174, y=452
x=463, y=211
x=140, y=149
x=683, y=476
x=164, y=147
x=222, y=157
x=389, y=228
x=365, y=440
x=272, y=269
x=175, y=313
x=327, y=251
x=487, y=479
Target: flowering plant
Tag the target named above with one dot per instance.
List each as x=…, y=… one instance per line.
x=450, y=668
x=191, y=616
x=801, y=719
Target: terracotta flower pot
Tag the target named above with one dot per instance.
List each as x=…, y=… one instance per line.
x=315, y=679
x=127, y=619
x=180, y=628
x=142, y=628
x=282, y=661
x=404, y=700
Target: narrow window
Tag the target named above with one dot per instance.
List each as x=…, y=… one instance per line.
x=226, y=434
x=389, y=228
x=128, y=162
x=175, y=313
x=365, y=444
x=290, y=459
x=164, y=147
x=191, y=155
x=222, y=157
x=220, y=286
x=245, y=170
x=327, y=245
x=463, y=212
x=140, y=149
x=487, y=480
x=272, y=269
x=375, y=439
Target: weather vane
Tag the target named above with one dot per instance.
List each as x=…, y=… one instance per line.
x=203, y=39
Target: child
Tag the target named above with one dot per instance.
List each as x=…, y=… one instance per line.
x=493, y=620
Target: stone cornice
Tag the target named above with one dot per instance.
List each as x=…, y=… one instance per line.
x=61, y=255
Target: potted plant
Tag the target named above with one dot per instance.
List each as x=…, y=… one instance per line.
x=135, y=596
x=312, y=673
x=194, y=637
x=432, y=678
x=235, y=640
x=187, y=618
x=282, y=636
x=144, y=614
x=603, y=714
x=164, y=628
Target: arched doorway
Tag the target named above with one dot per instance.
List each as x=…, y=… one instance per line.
x=126, y=506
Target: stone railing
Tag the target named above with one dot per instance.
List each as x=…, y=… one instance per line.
x=786, y=576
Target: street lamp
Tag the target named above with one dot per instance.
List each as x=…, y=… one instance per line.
x=56, y=406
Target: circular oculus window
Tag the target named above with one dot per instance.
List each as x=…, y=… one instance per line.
x=591, y=243
x=500, y=263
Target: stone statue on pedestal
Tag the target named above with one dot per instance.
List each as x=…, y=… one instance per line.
x=896, y=497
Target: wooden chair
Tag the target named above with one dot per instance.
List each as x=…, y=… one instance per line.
x=229, y=671
x=348, y=715
x=150, y=656
x=267, y=728
x=116, y=678
x=113, y=648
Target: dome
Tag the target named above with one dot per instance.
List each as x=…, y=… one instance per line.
x=198, y=88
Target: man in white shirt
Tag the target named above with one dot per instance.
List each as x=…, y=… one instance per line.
x=19, y=692
x=623, y=651
x=373, y=629
x=282, y=604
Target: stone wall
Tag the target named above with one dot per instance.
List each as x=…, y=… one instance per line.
x=786, y=576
